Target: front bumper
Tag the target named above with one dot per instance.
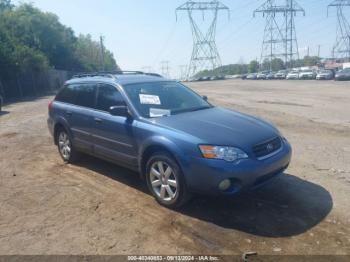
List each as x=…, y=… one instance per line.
x=204, y=176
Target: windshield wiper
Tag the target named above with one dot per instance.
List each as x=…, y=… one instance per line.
x=190, y=109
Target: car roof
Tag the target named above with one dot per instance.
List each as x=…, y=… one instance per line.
x=121, y=79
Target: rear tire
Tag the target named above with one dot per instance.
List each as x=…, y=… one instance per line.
x=166, y=181
x=65, y=147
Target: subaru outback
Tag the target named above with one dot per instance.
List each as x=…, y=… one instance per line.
x=176, y=140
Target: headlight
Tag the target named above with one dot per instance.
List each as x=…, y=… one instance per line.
x=226, y=153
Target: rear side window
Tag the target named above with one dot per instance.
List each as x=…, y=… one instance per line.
x=67, y=95
x=78, y=94
x=108, y=96
x=85, y=95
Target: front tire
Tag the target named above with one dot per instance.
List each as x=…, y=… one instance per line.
x=166, y=181
x=65, y=147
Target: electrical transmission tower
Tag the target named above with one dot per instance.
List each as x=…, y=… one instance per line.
x=341, y=49
x=205, y=55
x=280, y=40
x=273, y=46
x=291, y=42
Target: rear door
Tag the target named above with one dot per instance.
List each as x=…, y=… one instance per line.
x=79, y=102
x=113, y=135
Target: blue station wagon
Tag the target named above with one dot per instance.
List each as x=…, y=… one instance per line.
x=178, y=142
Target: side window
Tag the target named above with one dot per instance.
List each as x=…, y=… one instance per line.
x=108, y=96
x=66, y=95
x=86, y=94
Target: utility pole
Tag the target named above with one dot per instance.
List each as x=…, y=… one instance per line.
x=341, y=49
x=183, y=69
x=319, y=51
x=205, y=55
x=102, y=48
x=165, y=68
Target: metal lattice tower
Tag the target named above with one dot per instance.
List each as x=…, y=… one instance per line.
x=291, y=42
x=274, y=41
x=341, y=49
x=205, y=55
x=280, y=32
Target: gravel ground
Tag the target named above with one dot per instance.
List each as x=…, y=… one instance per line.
x=93, y=208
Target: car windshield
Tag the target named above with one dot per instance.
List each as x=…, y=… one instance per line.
x=159, y=99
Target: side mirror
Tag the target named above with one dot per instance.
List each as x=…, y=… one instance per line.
x=119, y=111
x=205, y=98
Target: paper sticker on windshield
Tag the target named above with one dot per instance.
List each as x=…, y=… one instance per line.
x=149, y=100
x=156, y=112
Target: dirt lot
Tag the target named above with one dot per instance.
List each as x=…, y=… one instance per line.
x=47, y=207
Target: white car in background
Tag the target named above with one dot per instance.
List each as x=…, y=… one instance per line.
x=293, y=75
x=325, y=75
x=282, y=74
x=307, y=74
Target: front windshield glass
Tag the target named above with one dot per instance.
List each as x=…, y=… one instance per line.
x=159, y=99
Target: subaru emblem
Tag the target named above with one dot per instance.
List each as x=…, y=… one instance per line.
x=269, y=147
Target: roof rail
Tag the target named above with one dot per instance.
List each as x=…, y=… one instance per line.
x=82, y=75
x=113, y=74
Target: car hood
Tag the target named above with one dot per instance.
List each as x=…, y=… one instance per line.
x=220, y=126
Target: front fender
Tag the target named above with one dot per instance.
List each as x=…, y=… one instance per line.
x=167, y=144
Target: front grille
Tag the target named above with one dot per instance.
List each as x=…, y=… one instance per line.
x=267, y=148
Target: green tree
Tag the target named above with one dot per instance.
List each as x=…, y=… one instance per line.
x=5, y=5
x=311, y=60
x=253, y=66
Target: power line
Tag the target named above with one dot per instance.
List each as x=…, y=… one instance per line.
x=102, y=49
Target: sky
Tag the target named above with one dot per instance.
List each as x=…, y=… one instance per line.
x=143, y=33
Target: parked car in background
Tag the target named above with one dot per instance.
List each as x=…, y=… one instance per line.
x=177, y=141
x=252, y=76
x=282, y=74
x=307, y=74
x=270, y=75
x=262, y=75
x=343, y=75
x=244, y=76
x=325, y=75
x=293, y=75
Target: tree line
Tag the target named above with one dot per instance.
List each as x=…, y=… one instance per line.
x=32, y=41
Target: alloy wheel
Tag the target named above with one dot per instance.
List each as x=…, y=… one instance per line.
x=163, y=181
x=64, y=145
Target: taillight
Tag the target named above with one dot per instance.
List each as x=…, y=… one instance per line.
x=50, y=106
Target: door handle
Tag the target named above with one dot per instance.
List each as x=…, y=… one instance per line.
x=98, y=120
x=68, y=113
